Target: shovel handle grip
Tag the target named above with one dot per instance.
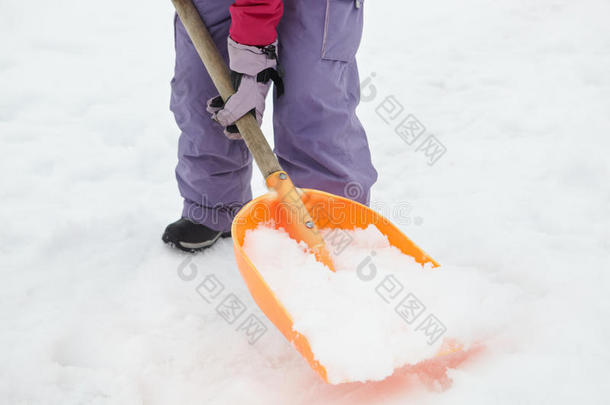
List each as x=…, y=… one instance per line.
x=217, y=69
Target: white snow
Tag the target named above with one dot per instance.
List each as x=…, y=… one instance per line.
x=350, y=330
x=94, y=309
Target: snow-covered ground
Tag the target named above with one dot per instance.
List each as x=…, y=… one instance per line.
x=94, y=309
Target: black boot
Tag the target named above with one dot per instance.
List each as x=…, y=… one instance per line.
x=191, y=237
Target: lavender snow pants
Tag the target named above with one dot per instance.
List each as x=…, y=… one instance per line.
x=318, y=138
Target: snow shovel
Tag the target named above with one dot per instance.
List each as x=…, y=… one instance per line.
x=301, y=212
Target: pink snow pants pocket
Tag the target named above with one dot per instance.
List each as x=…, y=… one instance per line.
x=342, y=30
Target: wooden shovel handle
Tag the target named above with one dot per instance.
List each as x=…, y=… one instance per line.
x=214, y=64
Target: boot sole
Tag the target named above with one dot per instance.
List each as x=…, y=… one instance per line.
x=196, y=247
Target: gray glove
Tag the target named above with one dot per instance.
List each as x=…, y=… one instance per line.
x=252, y=70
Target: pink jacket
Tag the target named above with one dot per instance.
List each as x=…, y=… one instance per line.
x=254, y=21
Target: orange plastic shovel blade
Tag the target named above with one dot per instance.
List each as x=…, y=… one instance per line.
x=327, y=211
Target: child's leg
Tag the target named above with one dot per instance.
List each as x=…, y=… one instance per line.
x=318, y=138
x=213, y=172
